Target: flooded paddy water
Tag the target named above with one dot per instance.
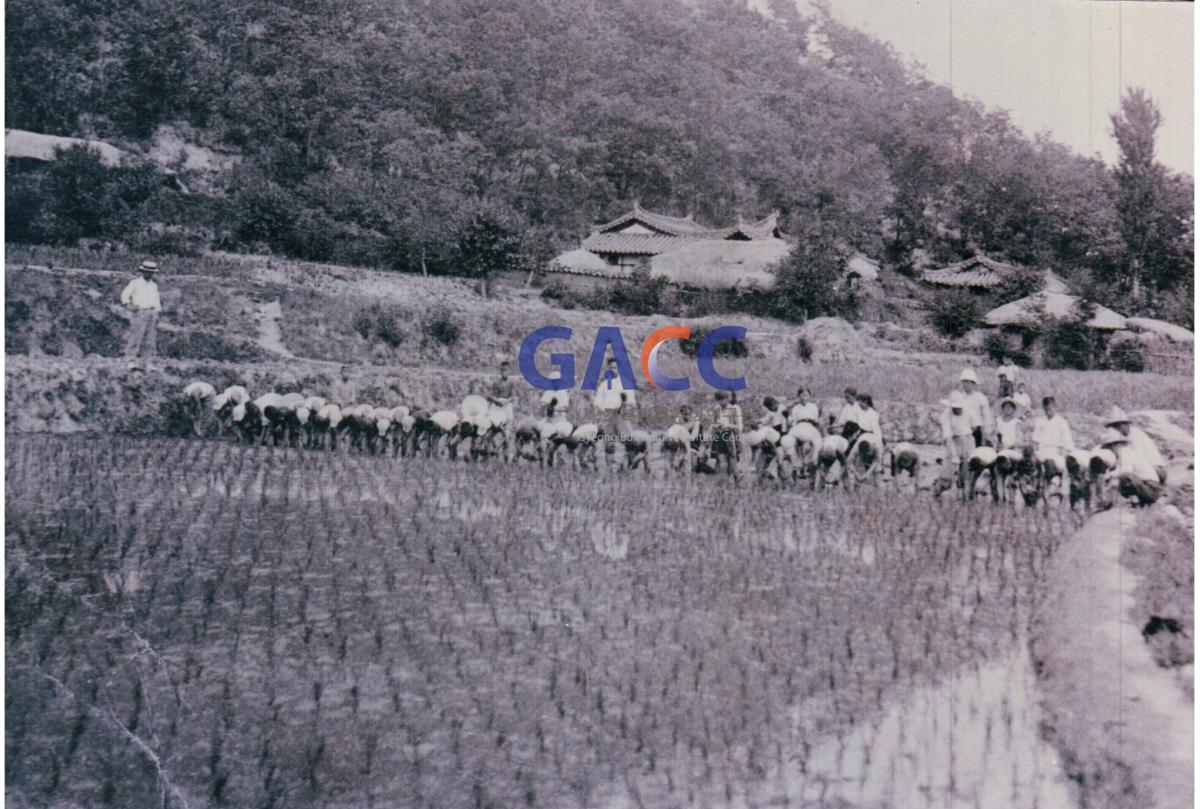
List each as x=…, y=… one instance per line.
x=335, y=630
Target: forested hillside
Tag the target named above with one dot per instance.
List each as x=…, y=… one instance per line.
x=455, y=137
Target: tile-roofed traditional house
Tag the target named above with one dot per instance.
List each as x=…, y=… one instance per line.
x=639, y=236
x=977, y=273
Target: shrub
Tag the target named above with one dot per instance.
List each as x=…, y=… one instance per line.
x=1021, y=284
x=804, y=348
x=197, y=345
x=954, y=314
x=726, y=348
x=1071, y=344
x=442, y=328
x=561, y=295
x=378, y=322
x=1126, y=355
x=997, y=346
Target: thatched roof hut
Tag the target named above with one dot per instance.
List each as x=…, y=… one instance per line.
x=21, y=144
x=978, y=273
x=1176, y=334
x=1037, y=307
x=584, y=262
x=724, y=264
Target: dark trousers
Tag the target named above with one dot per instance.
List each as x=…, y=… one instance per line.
x=1146, y=491
x=1006, y=388
x=977, y=434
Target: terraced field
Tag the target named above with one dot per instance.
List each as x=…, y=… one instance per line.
x=196, y=623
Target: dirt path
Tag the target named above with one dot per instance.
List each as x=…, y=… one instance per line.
x=1122, y=723
x=269, y=335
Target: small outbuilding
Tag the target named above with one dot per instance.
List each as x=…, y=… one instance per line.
x=1035, y=308
x=978, y=274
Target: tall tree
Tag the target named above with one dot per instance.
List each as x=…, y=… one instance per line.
x=1153, y=222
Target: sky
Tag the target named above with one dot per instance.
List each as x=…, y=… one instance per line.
x=1055, y=65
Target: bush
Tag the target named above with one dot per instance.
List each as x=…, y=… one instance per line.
x=378, y=322
x=561, y=295
x=1126, y=355
x=1071, y=344
x=997, y=346
x=1021, y=284
x=954, y=314
x=726, y=348
x=442, y=328
x=804, y=348
x=197, y=345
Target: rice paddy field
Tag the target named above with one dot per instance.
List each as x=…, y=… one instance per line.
x=194, y=623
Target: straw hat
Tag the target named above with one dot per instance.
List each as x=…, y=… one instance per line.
x=148, y=266
x=1116, y=416
x=1111, y=437
x=968, y=375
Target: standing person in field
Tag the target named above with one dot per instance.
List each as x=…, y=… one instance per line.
x=344, y=391
x=847, y=419
x=612, y=400
x=1052, y=440
x=1007, y=374
x=958, y=436
x=141, y=296
x=805, y=409
x=725, y=434
x=739, y=423
x=1141, y=471
x=1010, y=429
x=501, y=396
x=977, y=407
x=1022, y=399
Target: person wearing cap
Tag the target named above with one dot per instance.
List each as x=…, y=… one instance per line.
x=1137, y=474
x=958, y=433
x=140, y=296
x=1007, y=374
x=976, y=405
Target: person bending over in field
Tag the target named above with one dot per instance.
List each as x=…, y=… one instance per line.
x=1141, y=472
x=957, y=434
x=867, y=448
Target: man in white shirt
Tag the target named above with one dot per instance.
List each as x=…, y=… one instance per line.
x=612, y=400
x=805, y=409
x=1051, y=433
x=141, y=296
x=957, y=434
x=976, y=406
x=847, y=420
x=1022, y=399
x=1141, y=470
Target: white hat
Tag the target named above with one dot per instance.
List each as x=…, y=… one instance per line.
x=1116, y=416
x=957, y=400
x=148, y=266
x=1111, y=437
x=968, y=376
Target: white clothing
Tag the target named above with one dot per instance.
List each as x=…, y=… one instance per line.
x=1008, y=431
x=809, y=411
x=141, y=294
x=850, y=413
x=979, y=411
x=1140, y=457
x=1052, y=436
x=868, y=421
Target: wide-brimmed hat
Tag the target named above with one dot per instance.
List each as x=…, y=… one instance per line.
x=1111, y=437
x=148, y=266
x=968, y=375
x=1116, y=416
